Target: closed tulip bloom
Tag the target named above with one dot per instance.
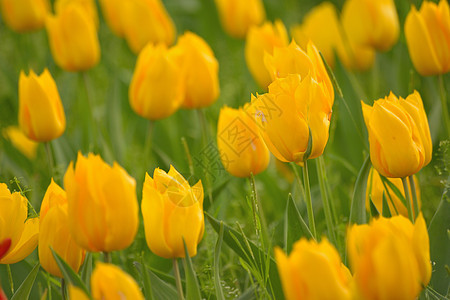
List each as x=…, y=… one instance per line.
x=102, y=204
x=243, y=152
x=54, y=232
x=19, y=140
x=18, y=234
x=261, y=39
x=73, y=38
x=199, y=68
x=399, y=136
x=390, y=258
x=156, y=89
x=238, y=16
x=41, y=114
x=354, y=56
x=24, y=15
x=146, y=21
x=113, y=12
x=173, y=212
x=311, y=267
x=89, y=7
x=427, y=34
x=293, y=108
x=371, y=23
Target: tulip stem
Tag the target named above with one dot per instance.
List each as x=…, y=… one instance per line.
x=51, y=164
x=203, y=124
x=176, y=272
x=91, y=108
x=299, y=180
x=258, y=213
x=63, y=289
x=408, y=199
x=188, y=156
x=414, y=195
x=107, y=257
x=11, y=282
x=312, y=225
x=148, y=143
x=444, y=107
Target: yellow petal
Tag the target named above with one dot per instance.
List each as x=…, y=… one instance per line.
x=27, y=243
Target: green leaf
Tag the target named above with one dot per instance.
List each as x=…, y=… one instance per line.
x=373, y=209
x=219, y=292
x=295, y=226
x=192, y=289
x=148, y=293
x=386, y=212
x=23, y=292
x=395, y=189
x=86, y=270
x=160, y=288
x=358, y=206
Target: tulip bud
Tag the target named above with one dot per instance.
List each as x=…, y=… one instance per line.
x=19, y=234
x=54, y=232
x=399, y=136
x=238, y=16
x=173, y=212
x=376, y=189
x=372, y=23
x=242, y=150
x=102, y=204
x=41, y=114
x=73, y=38
x=88, y=6
x=19, y=140
x=156, y=89
x=309, y=268
x=428, y=37
x=113, y=14
x=261, y=39
x=146, y=21
x=354, y=56
x=294, y=118
x=199, y=68
x=390, y=258
x=24, y=15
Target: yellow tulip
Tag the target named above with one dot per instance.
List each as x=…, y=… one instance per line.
x=41, y=114
x=173, y=212
x=102, y=204
x=354, y=56
x=286, y=115
x=313, y=271
x=113, y=13
x=376, y=189
x=156, y=89
x=399, y=136
x=261, y=39
x=372, y=23
x=238, y=16
x=242, y=150
x=19, y=140
x=18, y=234
x=24, y=15
x=199, y=68
x=73, y=38
x=89, y=7
x=390, y=258
x=428, y=37
x=54, y=232
x=146, y=21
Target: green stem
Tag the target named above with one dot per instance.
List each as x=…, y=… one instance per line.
x=258, y=212
x=188, y=156
x=312, y=225
x=51, y=164
x=11, y=282
x=107, y=257
x=408, y=199
x=444, y=106
x=63, y=289
x=201, y=116
x=94, y=127
x=148, y=143
x=326, y=202
x=414, y=195
x=176, y=272
x=299, y=180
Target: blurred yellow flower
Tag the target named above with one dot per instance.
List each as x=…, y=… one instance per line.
x=313, y=271
x=41, y=114
x=428, y=37
x=399, y=136
x=19, y=140
x=173, y=212
x=18, y=234
x=156, y=89
x=390, y=258
x=113, y=12
x=24, y=15
x=89, y=7
x=102, y=204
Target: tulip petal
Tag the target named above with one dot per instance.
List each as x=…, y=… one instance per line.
x=27, y=243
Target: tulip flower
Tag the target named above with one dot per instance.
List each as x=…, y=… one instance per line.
x=242, y=150
x=390, y=258
x=427, y=34
x=89, y=7
x=173, y=212
x=156, y=89
x=24, y=15
x=113, y=13
x=199, y=68
x=313, y=271
x=354, y=56
x=102, y=204
x=19, y=140
x=41, y=114
x=54, y=232
x=294, y=111
x=73, y=38
x=261, y=39
x=19, y=234
x=372, y=23
x=145, y=21
x=376, y=190
x=399, y=136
